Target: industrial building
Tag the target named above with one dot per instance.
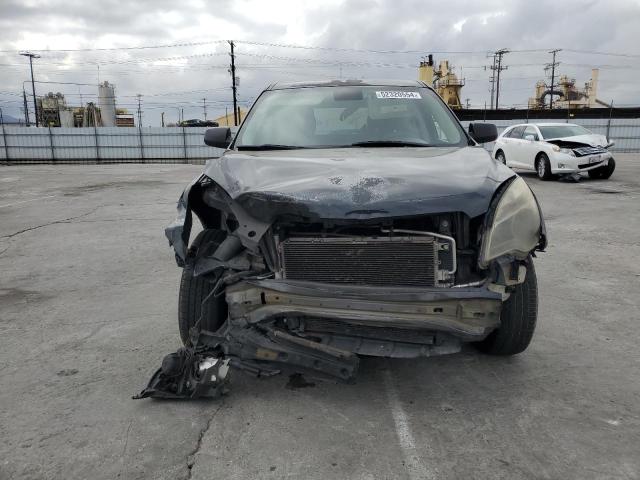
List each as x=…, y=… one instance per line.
x=567, y=95
x=444, y=81
x=53, y=111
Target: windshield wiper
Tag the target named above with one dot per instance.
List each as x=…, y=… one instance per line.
x=389, y=143
x=268, y=146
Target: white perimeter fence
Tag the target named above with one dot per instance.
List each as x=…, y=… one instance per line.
x=104, y=145
x=185, y=145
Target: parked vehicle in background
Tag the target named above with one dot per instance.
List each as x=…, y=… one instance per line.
x=552, y=149
x=198, y=123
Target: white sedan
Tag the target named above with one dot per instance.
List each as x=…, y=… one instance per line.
x=552, y=149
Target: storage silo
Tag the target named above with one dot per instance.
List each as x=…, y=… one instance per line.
x=107, y=104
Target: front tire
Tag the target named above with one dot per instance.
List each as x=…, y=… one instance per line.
x=517, y=319
x=501, y=158
x=603, y=173
x=194, y=291
x=543, y=167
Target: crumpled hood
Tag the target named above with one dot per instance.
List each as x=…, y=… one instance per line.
x=359, y=183
x=593, y=139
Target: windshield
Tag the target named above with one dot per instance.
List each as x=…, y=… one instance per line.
x=560, y=131
x=317, y=117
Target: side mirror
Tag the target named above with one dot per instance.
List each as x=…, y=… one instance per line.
x=219, y=137
x=483, y=132
x=531, y=138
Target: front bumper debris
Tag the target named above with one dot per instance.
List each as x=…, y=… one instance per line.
x=277, y=326
x=187, y=374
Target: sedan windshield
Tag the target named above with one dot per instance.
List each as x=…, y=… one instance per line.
x=349, y=116
x=561, y=131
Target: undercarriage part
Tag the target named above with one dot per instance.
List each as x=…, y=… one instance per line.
x=510, y=271
x=265, y=350
x=375, y=341
x=382, y=348
x=467, y=313
x=186, y=374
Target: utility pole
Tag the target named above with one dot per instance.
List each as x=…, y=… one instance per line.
x=139, y=96
x=162, y=117
x=499, y=68
x=204, y=107
x=233, y=84
x=33, y=84
x=552, y=66
x=493, y=78
x=26, y=107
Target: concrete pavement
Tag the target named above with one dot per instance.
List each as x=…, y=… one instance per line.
x=88, y=305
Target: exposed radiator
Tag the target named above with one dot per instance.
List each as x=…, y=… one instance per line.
x=380, y=261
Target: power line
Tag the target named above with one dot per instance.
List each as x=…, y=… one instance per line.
x=111, y=49
x=394, y=52
x=314, y=47
x=610, y=54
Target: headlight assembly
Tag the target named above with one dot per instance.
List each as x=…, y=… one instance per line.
x=514, y=227
x=567, y=151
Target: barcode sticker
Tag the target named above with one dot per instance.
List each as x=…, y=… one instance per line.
x=399, y=94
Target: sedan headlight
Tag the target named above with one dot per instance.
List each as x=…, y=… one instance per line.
x=568, y=151
x=514, y=227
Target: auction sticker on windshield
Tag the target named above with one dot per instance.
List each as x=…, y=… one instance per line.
x=388, y=94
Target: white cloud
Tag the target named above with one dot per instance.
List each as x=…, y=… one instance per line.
x=422, y=25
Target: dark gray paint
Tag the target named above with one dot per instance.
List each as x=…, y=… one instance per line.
x=359, y=183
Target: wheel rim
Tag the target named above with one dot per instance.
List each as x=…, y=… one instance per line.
x=501, y=158
x=541, y=167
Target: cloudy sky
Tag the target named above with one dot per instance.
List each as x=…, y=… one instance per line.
x=83, y=42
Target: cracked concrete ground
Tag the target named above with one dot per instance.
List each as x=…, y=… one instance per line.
x=88, y=302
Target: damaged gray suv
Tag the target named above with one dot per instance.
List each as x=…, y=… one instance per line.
x=344, y=219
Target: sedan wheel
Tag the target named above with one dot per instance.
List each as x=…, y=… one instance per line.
x=195, y=303
x=501, y=158
x=543, y=167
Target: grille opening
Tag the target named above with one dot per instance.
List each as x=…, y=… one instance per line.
x=376, y=261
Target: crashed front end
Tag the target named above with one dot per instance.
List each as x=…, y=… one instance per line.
x=578, y=157
x=308, y=294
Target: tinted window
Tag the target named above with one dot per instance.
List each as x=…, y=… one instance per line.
x=531, y=131
x=507, y=133
x=517, y=132
x=341, y=116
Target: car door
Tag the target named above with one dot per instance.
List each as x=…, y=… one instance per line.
x=504, y=143
x=514, y=153
x=530, y=146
